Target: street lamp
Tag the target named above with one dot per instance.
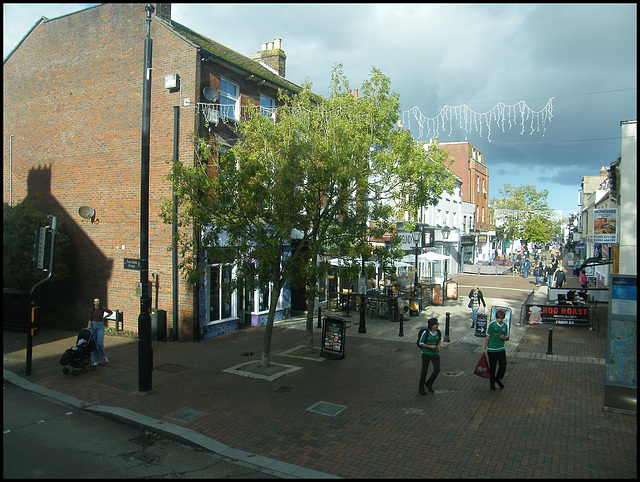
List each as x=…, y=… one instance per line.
x=445, y=236
x=416, y=238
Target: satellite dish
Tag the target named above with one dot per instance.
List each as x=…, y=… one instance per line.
x=210, y=94
x=86, y=212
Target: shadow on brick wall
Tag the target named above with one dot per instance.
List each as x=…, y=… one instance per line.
x=89, y=268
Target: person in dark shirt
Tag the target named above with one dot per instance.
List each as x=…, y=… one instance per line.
x=430, y=348
x=96, y=325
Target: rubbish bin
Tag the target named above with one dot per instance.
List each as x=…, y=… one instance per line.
x=158, y=325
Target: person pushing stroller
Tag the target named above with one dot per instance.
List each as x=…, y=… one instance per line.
x=96, y=325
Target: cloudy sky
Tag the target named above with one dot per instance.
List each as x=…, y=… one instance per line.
x=584, y=56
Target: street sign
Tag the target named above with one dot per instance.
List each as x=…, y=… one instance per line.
x=137, y=264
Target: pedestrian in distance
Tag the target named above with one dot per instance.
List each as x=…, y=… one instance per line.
x=537, y=272
x=583, y=280
x=430, y=348
x=96, y=325
x=497, y=334
x=475, y=298
x=560, y=277
x=549, y=275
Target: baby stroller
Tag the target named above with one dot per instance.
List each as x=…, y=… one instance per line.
x=80, y=355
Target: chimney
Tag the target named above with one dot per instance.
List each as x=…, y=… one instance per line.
x=163, y=10
x=272, y=55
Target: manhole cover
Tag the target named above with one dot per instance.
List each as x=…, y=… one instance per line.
x=170, y=368
x=186, y=414
x=147, y=439
x=326, y=408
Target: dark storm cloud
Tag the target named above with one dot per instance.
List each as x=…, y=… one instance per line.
x=582, y=55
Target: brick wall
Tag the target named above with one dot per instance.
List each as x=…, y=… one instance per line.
x=469, y=170
x=73, y=103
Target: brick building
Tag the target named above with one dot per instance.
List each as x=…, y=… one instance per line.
x=469, y=166
x=72, y=104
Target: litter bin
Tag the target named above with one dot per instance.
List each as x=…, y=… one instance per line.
x=158, y=325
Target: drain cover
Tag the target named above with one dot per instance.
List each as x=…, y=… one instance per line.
x=146, y=440
x=326, y=408
x=186, y=414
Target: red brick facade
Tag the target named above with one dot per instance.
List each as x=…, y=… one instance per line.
x=72, y=100
x=469, y=166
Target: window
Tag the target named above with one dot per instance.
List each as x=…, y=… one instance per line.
x=229, y=96
x=478, y=183
x=267, y=105
x=220, y=292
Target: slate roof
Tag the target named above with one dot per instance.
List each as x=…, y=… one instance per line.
x=217, y=50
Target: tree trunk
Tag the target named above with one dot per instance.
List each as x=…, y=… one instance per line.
x=311, y=302
x=268, y=332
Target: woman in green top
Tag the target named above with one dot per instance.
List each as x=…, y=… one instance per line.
x=430, y=348
x=497, y=333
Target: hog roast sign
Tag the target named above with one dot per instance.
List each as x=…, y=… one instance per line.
x=605, y=226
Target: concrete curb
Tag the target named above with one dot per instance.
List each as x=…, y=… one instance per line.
x=266, y=465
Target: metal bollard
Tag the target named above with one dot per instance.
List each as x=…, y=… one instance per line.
x=397, y=311
x=446, y=326
x=319, y=317
x=550, y=343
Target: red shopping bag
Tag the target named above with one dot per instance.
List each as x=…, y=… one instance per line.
x=482, y=368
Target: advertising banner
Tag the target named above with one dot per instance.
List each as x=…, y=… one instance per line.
x=333, y=338
x=558, y=314
x=605, y=226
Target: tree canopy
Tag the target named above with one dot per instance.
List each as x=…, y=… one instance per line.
x=304, y=186
x=522, y=213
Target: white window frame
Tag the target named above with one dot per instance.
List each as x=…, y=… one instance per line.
x=224, y=108
x=221, y=293
x=269, y=111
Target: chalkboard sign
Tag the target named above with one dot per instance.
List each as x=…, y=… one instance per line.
x=332, y=338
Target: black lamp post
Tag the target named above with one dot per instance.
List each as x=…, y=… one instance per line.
x=416, y=239
x=145, y=353
x=445, y=236
x=362, y=327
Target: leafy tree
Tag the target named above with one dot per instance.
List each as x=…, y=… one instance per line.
x=524, y=213
x=19, y=224
x=325, y=168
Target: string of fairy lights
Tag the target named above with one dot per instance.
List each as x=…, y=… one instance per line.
x=502, y=116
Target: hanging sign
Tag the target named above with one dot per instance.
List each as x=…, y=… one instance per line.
x=605, y=226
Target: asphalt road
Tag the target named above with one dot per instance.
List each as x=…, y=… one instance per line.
x=44, y=438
